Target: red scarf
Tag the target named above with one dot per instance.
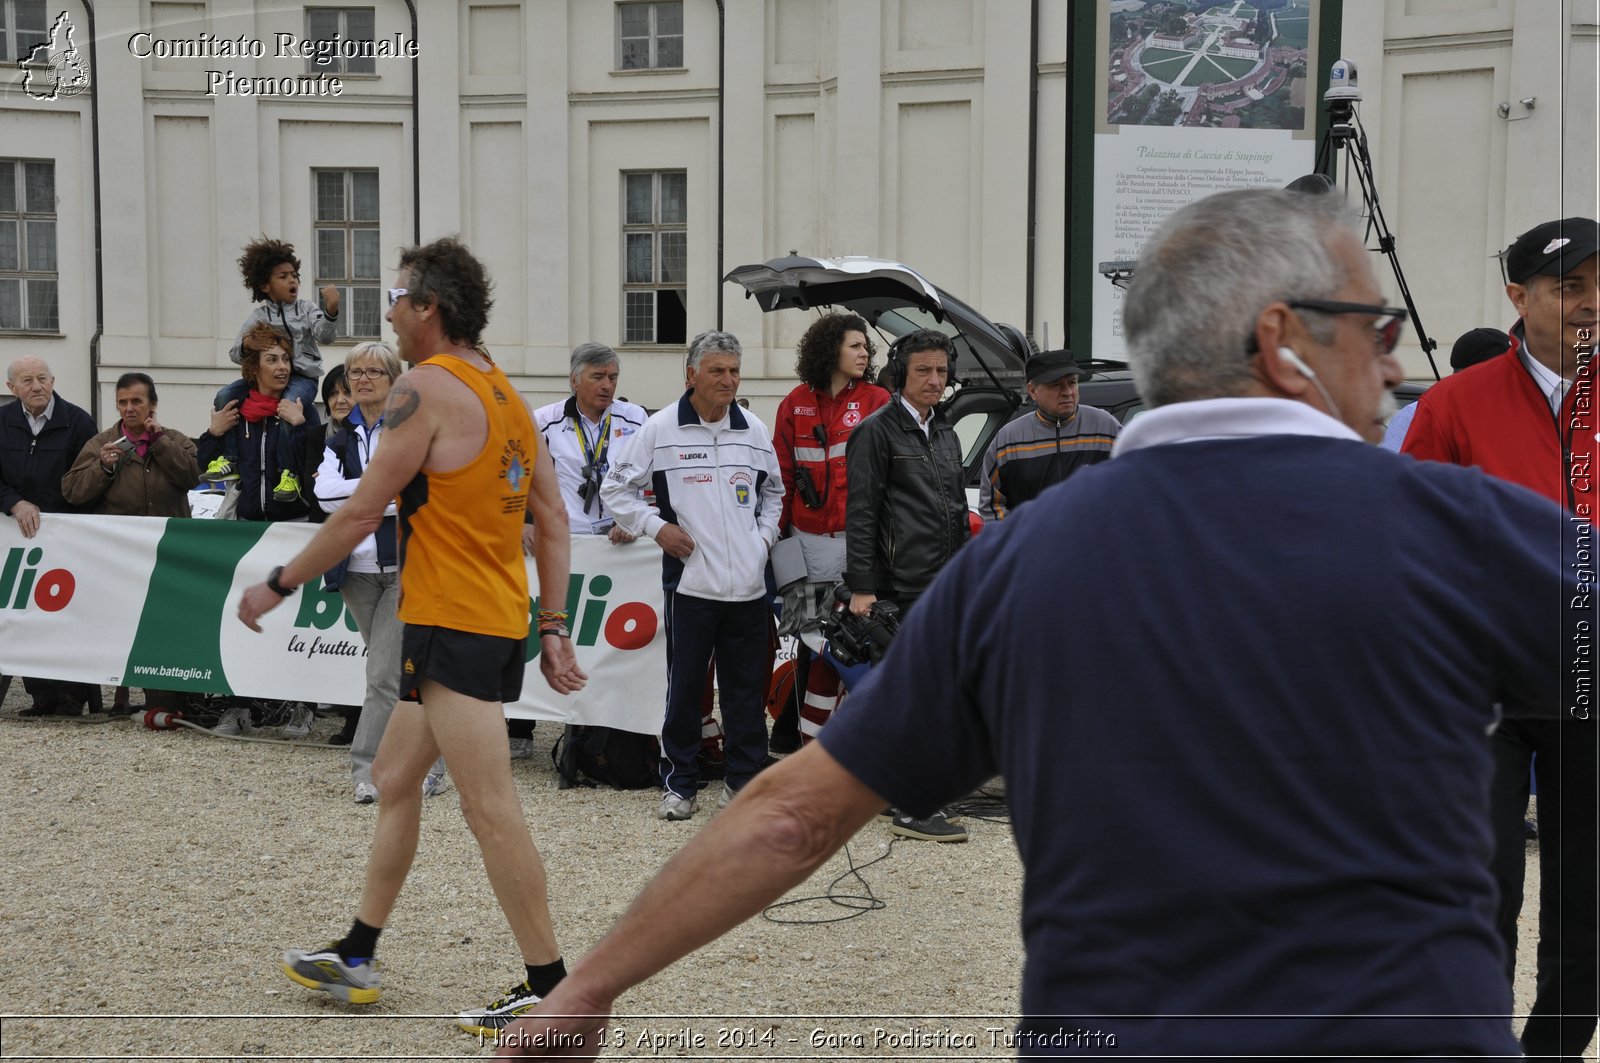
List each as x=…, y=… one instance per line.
x=258, y=407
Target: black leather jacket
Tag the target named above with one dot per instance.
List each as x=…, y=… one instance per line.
x=906, y=514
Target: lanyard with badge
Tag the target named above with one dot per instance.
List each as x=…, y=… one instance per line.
x=594, y=464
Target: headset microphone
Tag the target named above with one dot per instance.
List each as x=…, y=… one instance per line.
x=1293, y=360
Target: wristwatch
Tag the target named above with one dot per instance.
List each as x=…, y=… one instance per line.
x=274, y=586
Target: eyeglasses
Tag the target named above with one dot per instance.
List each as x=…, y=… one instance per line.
x=396, y=294
x=365, y=374
x=1385, y=331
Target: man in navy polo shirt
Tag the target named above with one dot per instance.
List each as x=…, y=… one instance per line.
x=1254, y=824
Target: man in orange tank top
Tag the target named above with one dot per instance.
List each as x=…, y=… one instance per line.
x=461, y=454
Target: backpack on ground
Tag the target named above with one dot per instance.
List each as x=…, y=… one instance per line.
x=605, y=756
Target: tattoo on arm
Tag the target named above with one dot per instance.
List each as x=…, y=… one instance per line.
x=403, y=402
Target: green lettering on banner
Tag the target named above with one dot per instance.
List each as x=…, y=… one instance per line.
x=178, y=645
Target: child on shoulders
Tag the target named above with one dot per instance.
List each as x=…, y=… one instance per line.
x=272, y=274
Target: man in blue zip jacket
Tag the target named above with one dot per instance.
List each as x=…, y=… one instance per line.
x=718, y=496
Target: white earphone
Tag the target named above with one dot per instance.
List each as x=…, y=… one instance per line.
x=1287, y=355
x=1290, y=358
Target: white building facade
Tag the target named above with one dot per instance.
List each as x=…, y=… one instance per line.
x=610, y=161
x=581, y=148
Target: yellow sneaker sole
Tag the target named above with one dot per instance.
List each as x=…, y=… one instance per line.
x=348, y=994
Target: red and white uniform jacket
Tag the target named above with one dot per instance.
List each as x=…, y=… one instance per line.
x=812, y=429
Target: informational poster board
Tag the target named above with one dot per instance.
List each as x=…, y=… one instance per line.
x=1193, y=99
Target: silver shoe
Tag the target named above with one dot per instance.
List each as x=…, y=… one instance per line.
x=235, y=721
x=300, y=720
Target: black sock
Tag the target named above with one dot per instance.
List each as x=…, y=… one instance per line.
x=545, y=977
x=361, y=944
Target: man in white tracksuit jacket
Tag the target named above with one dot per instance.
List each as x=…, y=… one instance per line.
x=718, y=495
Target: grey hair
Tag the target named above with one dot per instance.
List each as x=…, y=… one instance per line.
x=711, y=342
x=378, y=351
x=12, y=370
x=1207, y=273
x=592, y=353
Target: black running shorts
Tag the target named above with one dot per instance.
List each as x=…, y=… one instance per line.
x=485, y=667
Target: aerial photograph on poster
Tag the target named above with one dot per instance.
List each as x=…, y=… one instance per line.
x=1202, y=64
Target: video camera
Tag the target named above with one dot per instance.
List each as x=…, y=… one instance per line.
x=856, y=640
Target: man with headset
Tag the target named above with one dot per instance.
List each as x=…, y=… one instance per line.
x=906, y=513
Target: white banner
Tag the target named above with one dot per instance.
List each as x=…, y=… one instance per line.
x=152, y=602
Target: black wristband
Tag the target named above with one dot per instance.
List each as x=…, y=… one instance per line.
x=558, y=632
x=274, y=586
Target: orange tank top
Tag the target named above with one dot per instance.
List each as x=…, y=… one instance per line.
x=461, y=564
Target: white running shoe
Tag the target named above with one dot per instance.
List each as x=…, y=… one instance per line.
x=676, y=808
x=235, y=721
x=300, y=720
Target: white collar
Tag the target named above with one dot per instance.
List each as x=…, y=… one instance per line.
x=36, y=424
x=924, y=424
x=1554, y=387
x=1189, y=422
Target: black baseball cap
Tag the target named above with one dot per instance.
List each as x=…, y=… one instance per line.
x=1555, y=249
x=1477, y=345
x=1051, y=366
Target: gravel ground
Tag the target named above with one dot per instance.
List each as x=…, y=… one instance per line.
x=152, y=879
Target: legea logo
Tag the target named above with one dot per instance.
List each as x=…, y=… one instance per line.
x=20, y=576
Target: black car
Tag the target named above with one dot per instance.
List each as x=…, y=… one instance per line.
x=990, y=356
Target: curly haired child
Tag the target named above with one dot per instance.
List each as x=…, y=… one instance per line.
x=272, y=274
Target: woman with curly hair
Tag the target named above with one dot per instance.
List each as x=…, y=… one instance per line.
x=814, y=424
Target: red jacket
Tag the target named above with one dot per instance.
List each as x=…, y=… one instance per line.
x=800, y=414
x=1494, y=416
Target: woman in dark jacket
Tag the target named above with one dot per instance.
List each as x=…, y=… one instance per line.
x=265, y=431
x=336, y=403
x=268, y=435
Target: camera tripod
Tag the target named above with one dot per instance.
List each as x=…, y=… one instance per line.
x=1346, y=131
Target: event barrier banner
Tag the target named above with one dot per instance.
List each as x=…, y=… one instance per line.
x=152, y=602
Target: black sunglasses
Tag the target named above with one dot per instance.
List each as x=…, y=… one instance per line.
x=1385, y=331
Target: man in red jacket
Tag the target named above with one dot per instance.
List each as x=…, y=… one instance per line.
x=1528, y=415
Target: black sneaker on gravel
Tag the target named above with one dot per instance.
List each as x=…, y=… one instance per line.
x=935, y=828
